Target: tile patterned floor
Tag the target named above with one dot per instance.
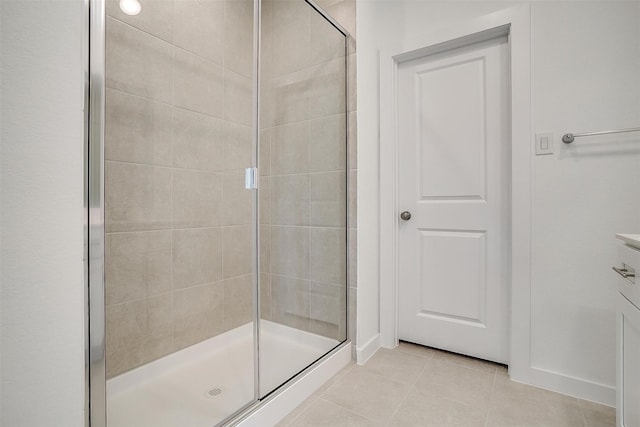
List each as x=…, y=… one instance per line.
x=413, y=385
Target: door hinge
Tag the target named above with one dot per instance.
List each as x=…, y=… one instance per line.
x=251, y=178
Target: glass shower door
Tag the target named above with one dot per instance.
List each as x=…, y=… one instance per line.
x=180, y=258
x=185, y=241
x=303, y=189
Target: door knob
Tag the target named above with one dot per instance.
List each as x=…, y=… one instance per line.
x=405, y=216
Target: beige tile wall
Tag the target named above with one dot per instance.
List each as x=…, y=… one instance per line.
x=178, y=136
x=303, y=168
x=177, y=140
x=344, y=12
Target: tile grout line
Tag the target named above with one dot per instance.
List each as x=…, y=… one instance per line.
x=412, y=388
x=190, y=110
x=168, y=230
x=172, y=291
x=302, y=412
x=171, y=223
x=333, y=381
x=171, y=104
x=336, y=381
x=493, y=387
x=308, y=193
x=222, y=192
x=347, y=409
x=414, y=353
x=380, y=376
x=342, y=407
x=172, y=167
x=451, y=357
x=583, y=416
x=174, y=45
x=315, y=172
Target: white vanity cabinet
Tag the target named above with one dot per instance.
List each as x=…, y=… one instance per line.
x=628, y=332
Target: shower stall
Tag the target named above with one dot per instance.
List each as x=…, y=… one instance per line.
x=217, y=187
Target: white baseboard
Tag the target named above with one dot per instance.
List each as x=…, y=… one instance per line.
x=276, y=408
x=368, y=349
x=565, y=384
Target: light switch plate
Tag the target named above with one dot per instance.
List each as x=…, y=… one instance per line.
x=544, y=143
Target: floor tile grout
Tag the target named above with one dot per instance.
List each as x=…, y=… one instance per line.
x=413, y=387
x=346, y=409
x=493, y=387
x=516, y=404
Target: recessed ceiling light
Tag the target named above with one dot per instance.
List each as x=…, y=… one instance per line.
x=130, y=7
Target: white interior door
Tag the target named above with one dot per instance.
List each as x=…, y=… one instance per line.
x=453, y=172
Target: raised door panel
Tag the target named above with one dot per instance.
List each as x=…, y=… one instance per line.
x=451, y=130
x=452, y=280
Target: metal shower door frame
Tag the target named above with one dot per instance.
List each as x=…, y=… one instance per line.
x=93, y=46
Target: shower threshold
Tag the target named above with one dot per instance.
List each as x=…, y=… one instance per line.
x=202, y=385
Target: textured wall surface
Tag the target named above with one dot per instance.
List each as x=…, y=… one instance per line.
x=41, y=181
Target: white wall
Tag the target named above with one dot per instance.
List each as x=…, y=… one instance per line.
x=585, y=77
x=585, y=68
x=41, y=182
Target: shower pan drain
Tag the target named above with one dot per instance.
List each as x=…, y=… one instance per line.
x=213, y=392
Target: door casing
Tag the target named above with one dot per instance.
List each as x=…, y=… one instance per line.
x=514, y=23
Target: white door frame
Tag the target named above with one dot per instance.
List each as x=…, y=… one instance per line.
x=515, y=22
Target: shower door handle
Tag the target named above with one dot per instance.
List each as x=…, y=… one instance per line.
x=251, y=178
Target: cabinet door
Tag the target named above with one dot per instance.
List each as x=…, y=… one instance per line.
x=628, y=366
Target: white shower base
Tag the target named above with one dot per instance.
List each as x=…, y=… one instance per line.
x=174, y=391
